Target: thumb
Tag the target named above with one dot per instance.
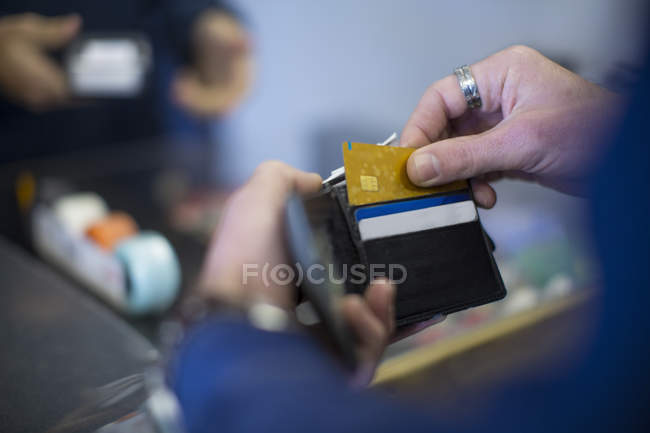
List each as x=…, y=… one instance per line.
x=461, y=158
x=52, y=32
x=380, y=296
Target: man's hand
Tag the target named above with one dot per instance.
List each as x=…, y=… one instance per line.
x=27, y=75
x=251, y=232
x=221, y=73
x=538, y=122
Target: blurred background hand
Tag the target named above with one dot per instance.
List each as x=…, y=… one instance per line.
x=221, y=73
x=28, y=76
x=538, y=122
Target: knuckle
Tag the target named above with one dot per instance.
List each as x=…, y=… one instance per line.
x=522, y=52
x=271, y=167
x=520, y=59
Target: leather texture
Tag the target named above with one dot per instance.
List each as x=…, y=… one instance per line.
x=448, y=269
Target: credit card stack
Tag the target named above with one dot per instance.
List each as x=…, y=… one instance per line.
x=375, y=220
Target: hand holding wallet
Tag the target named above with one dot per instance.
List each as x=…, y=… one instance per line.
x=375, y=221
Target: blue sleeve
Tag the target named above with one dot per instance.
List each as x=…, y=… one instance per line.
x=232, y=377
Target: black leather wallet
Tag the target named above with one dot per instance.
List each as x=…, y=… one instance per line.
x=447, y=269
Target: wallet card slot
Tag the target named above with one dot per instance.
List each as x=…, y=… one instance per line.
x=447, y=269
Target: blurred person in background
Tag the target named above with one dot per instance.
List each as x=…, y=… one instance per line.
x=201, y=62
x=538, y=121
x=201, y=70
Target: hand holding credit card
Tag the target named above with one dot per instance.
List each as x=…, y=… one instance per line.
x=377, y=221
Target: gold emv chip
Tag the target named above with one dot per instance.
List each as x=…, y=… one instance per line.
x=378, y=173
x=369, y=183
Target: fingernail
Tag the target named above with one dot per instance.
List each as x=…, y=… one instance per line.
x=426, y=169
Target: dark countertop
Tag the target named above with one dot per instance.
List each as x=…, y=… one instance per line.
x=58, y=345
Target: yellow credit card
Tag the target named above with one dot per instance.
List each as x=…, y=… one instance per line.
x=378, y=174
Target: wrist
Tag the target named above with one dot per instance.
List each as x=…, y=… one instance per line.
x=261, y=312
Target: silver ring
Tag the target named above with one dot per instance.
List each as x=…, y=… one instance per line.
x=468, y=86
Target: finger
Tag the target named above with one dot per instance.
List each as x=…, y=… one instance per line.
x=370, y=331
x=190, y=93
x=272, y=175
x=430, y=120
x=269, y=189
x=221, y=30
x=186, y=90
x=498, y=149
x=380, y=296
x=444, y=101
x=48, y=32
x=42, y=84
x=207, y=98
x=484, y=194
x=414, y=329
x=52, y=78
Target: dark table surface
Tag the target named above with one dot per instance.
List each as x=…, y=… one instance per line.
x=59, y=346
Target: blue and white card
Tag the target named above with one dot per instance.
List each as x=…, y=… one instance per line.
x=410, y=216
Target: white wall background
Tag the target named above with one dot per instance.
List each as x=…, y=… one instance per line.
x=328, y=64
